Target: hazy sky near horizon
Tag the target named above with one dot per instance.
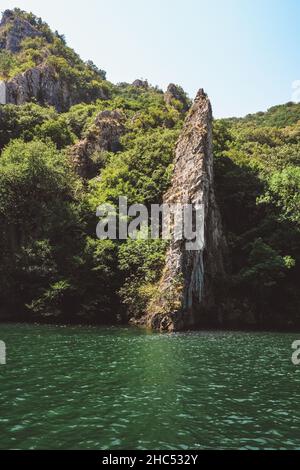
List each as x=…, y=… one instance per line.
x=244, y=53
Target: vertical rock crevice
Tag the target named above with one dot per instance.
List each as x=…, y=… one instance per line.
x=187, y=289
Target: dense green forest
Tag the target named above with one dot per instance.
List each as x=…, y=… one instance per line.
x=257, y=175
x=52, y=266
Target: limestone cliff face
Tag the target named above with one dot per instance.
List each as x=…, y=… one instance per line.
x=104, y=135
x=43, y=85
x=187, y=287
x=13, y=30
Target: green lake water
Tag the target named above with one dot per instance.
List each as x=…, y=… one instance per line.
x=122, y=388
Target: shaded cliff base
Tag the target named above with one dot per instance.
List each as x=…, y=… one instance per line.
x=209, y=322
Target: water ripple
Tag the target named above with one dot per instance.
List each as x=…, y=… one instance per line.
x=121, y=388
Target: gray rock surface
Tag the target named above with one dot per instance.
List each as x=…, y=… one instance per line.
x=140, y=84
x=103, y=136
x=187, y=288
x=13, y=30
x=175, y=92
x=43, y=85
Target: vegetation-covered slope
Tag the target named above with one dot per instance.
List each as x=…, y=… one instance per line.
x=52, y=266
x=258, y=182
x=37, y=60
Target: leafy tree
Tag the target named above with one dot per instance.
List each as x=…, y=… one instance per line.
x=96, y=70
x=221, y=137
x=141, y=262
x=22, y=121
x=7, y=62
x=284, y=193
x=36, y=185
x=142, y=173
x=58, y=131
x=264, y=272
x=257, y=189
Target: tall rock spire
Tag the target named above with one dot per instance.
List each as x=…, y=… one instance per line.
x=187, y=287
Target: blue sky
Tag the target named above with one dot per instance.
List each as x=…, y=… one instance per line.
x=244, y=53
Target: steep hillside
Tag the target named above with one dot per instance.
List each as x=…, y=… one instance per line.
x=257, y=168
x=278, y=116
x=38, y=66
x=70, y=140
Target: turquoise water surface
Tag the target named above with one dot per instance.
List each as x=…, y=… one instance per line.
x=122, y=388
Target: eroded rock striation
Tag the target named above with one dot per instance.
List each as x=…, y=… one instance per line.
x=187, y=290
x=103, y=136
x=43, y=85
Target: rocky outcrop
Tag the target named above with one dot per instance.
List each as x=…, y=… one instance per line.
x=140, y=84
x=13, y=30
x=103, y=136
x=186, y=293
x=174, y=92
x=43, y=85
